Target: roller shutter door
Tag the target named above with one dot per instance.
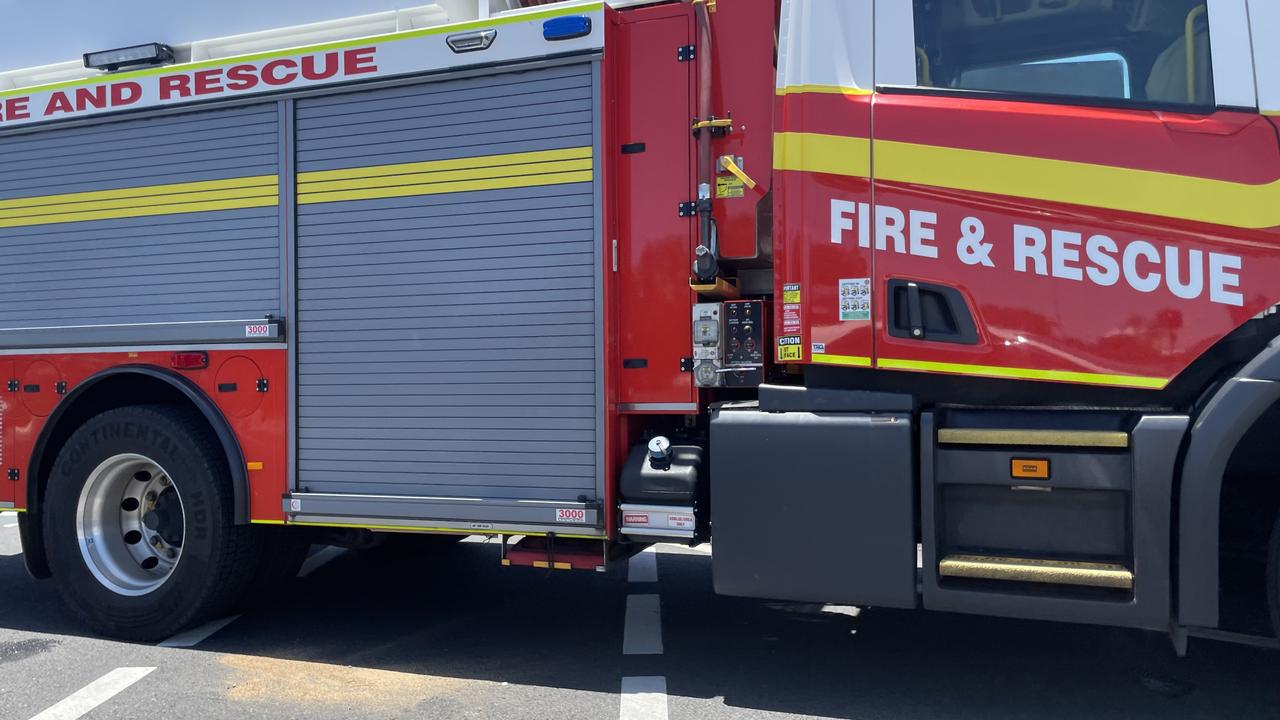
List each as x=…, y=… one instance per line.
x=163, y=219
x=448, y=269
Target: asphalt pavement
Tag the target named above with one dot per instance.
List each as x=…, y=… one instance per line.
x=452, y=634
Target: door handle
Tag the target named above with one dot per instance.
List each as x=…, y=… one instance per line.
x=915, y=317
x=471, y=41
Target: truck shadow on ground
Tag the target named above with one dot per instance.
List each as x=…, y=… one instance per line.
x=458, y=615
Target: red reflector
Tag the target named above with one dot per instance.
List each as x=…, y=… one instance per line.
x=189, y=360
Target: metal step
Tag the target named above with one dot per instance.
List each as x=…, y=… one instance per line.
x=555, y=553
x=1034, y=570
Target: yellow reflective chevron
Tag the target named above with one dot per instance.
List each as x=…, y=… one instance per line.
x=1148, y=383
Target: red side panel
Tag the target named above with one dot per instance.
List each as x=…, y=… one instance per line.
x=743, y=90
x=9, y=457
x=810, y=269
x=257, y=417
x=653, y=150
x=1124, y=296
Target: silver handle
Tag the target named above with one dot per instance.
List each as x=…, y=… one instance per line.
x=471, y=41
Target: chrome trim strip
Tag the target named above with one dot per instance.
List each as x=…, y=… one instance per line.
x=140, y=348
x=657, y=407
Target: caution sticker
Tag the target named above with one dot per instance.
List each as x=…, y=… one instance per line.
x=730, y=187
x=789, y=348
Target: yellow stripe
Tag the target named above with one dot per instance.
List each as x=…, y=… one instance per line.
x=1217, y=202
x=431, y=178
x=307, y=50
x=576, y=153
x=266, y=522
x=488, y=172
x=145, y=191
x=849, y=360
x=822, y=89
x=143, y=211
x=1097, y=186
x=33, y=215
x=450, y=531
x=1149, y=383
x=833, y=154
x=451, y=187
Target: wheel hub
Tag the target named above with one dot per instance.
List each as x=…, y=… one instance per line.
x=130, y=524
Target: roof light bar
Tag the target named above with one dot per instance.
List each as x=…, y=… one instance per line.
x=136, y=55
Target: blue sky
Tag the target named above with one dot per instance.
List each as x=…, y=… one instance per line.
x=40, y=32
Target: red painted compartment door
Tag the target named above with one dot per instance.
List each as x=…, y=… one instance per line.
x=1104, y=246
x=655, y=245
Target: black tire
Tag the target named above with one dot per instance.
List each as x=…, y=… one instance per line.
x=218, y=558
x=1273, y=578
x=283, y=552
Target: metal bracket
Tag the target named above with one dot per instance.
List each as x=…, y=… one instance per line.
x=685, y=53
x=14, y=474
x=262, y=385
x=13, y=386
x=686, y=364
x=688, y=209
x=60, y=387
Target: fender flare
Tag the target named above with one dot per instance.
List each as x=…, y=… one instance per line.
x=1228, y=415
x=197, y=397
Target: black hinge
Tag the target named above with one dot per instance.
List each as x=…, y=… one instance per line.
x=262, y=385
x=686, y=364
x=60, y=387
x=688, y=209
x=13, y=386
x=685, y=53
x=13, y=474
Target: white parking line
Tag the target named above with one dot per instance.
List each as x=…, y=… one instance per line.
x=94, y=694
x=642, y=629
x=643, y=566
x=319, y=559
x=197, y=635
x=644, y=698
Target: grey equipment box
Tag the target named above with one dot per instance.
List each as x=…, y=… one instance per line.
x=813, y=507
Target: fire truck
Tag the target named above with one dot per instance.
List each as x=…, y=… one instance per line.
x=960, y=305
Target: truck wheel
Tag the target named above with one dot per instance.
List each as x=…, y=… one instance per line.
x=139, y=526
x=1273, y=578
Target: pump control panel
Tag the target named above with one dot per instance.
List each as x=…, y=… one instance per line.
x=744, y=344
x=728, y=344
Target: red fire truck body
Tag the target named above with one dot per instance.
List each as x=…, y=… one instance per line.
x=944, y=304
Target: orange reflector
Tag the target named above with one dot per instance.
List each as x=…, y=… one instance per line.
x=1035, y=469
x=254, y=464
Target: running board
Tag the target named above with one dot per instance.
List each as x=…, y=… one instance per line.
x=1052, y=572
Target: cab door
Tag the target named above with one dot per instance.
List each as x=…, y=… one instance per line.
x=1072, y=192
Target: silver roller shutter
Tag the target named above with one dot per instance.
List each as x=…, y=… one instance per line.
x=448, y=263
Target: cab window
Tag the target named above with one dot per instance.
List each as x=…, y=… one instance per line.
x=1151, y=52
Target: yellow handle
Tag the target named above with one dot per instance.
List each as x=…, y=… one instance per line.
x=728, y=163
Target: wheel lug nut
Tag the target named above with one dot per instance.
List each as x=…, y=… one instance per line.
x=151, y=496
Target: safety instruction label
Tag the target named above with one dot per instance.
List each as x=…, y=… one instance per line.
x=730, y=187
x=791, y=293
x=855, y=299
x=789, y=348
